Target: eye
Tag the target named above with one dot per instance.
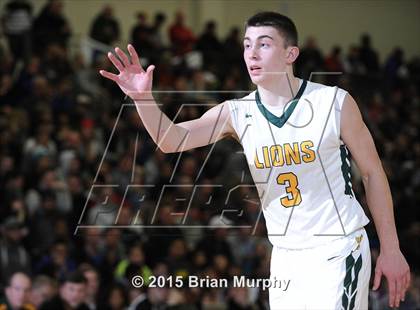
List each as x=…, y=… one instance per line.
x=247, y=45
x=263, y=44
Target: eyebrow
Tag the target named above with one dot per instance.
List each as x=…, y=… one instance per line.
x=260, y=37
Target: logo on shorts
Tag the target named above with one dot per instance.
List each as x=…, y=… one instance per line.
x=359, y=241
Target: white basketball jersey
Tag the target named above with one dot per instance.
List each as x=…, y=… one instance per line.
x=299, y=165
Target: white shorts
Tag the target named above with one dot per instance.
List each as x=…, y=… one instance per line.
x=332, y=276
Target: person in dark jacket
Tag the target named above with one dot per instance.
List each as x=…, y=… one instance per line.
x=71, y=294
x=105, y=28
x=51, y=27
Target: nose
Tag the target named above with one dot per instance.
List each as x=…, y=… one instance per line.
x=252, y=53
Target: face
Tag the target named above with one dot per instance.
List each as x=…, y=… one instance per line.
x=41, y=294
x=265, y=54
x=59, y=254
x=116, y=299
x=157, y=295
x=73, y=293
x=136, y=255
x=18, y=291
x=92, y=286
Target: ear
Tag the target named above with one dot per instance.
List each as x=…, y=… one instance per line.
x=292, y=54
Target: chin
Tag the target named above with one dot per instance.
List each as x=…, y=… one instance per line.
x=257, y=80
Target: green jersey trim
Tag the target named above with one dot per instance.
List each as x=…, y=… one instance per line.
x=280, y=121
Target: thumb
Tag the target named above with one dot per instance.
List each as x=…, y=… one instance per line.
x=150, y=70
x=377, y=280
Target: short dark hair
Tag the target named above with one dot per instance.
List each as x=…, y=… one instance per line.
x=74, y=277
x=284, y=25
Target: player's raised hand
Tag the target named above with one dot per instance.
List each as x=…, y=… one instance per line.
x=132, y=79
x=397, y=273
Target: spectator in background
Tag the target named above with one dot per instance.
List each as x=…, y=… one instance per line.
x=2, y=53
x=71, y=294
x=157, y=298
x=14, y=256
x=40, y=145
x=333, y=63
x=238, y=298
x=18, y=209
x=232, y=49
x=105, y=27
x=244, y=249
x=49, y=183
x=89, y=247
x=42, y=222
x=158, y=244
x=17, y=24
x=141, y=36
x=43, y=288
x=112, y=253
x=182, y=38
x=178, y=259
x=116, y=298
x=368, y=56
x=395, y=68
x=215, y=243
x=6, y=65
x=25, y=80
x=77, y=197
x=209, y=45
x=51, y=27
x=133, y=265
x=92, y=286
x=353, y=64
x=55, y=64
x=6, y=89
x=156, y=38
x=58, y=262
x=310, y=59
x=7, y=167
x=17, y=293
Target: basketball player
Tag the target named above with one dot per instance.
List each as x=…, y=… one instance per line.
x=295, y=135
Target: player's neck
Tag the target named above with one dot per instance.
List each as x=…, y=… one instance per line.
x=280, y=91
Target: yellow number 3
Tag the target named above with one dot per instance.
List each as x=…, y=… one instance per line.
x=291, y=188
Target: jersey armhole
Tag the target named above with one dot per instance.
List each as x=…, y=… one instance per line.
x=233, y=114
x=339, y=96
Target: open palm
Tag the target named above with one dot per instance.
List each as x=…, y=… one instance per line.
x=132, y=79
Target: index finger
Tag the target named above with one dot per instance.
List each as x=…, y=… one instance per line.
x=134, y=57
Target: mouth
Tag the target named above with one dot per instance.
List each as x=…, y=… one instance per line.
x=255, y=70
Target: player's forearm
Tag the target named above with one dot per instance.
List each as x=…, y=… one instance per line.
x=380, y=205
x=167, y=135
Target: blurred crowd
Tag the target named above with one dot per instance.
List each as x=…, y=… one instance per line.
x=73, y=151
